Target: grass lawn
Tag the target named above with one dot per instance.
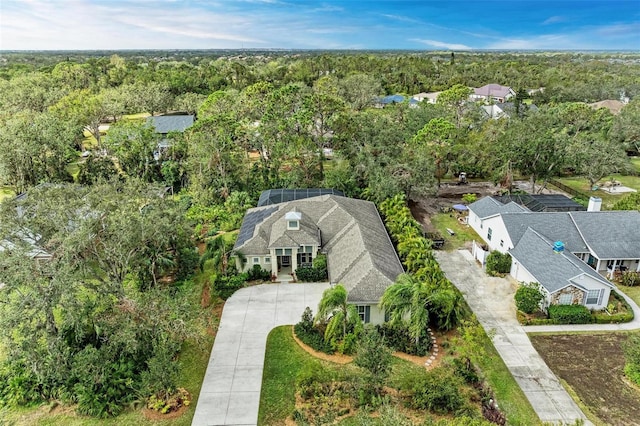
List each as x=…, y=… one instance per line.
x=284, y=359
x=464, y=233
x=511, y=399
x=635, y=161
x=632, y=292
x=582, y=185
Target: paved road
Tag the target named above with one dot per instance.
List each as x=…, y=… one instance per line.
x=230, y=393
x=491, y=299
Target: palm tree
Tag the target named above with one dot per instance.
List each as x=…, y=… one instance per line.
x=415, y=302
x=334, y=308
x=220, y=251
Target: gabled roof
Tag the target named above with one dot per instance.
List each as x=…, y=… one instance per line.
x=610, y=234
x=494, y=90
x=552, y=270
x=360, y=254
x=556, y=226
x=170, y=123
x=489, y=206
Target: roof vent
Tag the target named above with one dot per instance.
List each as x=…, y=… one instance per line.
x=558, y=247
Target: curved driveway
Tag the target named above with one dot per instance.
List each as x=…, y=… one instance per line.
x=230, y=393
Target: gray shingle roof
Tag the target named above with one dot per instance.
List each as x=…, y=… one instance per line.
x=170, y=123
x=489, y=206
x=553, y=271
x=360, y=254
x=610, y=234
x=556, y=226
x=492, y=89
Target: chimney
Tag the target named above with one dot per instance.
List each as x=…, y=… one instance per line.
x=594, y=204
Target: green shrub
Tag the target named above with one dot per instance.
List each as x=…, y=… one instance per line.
x=311, y=274
x=631, y=278
x=227, y=285
x=310, y=335
x=398, y=338
x=632, y=358
x=438, y=391
x=257, y=273
x=528, y=297
x=498, y=263
x=570, y=314
x=320, y=262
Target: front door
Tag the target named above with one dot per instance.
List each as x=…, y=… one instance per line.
x=285, y=261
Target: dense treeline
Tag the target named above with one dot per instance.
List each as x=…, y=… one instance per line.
x=120, y=211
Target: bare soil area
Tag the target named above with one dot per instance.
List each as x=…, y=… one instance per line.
x=593, y=366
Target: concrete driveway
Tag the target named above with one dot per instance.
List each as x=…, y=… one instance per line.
x=491, y=299
x=230, y=393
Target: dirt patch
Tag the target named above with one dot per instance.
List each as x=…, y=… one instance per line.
x=156, y=415
x=593, y=365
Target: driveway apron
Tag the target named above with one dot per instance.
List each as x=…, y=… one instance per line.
x=230, y=393
x=491, y=299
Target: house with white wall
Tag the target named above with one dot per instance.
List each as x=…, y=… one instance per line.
x=603, y=242
x=360, y=256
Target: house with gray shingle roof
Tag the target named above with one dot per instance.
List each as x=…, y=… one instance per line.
x=602, y=241
x=165, y=124
x=360, y=256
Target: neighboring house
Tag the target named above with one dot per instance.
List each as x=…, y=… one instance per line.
x=430, y=98
x=492, y=93
x=542, y=202
x=507, y=109
x=389, y=100
x=594, y=244
x=360, y=256
x=164, y=124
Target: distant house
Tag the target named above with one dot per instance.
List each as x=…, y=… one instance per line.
x=389, y=100
x=430, y=98
x=492, y=93
x=568, y=252
x=165, y=124
x=507, y=109
x=360, y=256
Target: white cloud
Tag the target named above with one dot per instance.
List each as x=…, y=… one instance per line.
x=553, y=20
x=328, y=8
x=400, y=18
x=441, y=44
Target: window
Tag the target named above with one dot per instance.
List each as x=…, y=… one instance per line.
x=489, y=234
x=293, y=225
x=278, y=252
x=565, y=299
x=267, y=260
x=287, y=252
x=305, y=259
x=592, y=297
x=364, y=313
x=256, y=260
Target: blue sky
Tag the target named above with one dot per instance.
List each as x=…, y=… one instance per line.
x=346, y=24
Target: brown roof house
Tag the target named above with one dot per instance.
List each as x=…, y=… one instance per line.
x=360, y=256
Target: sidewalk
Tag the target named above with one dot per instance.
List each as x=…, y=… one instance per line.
x=491, y=299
